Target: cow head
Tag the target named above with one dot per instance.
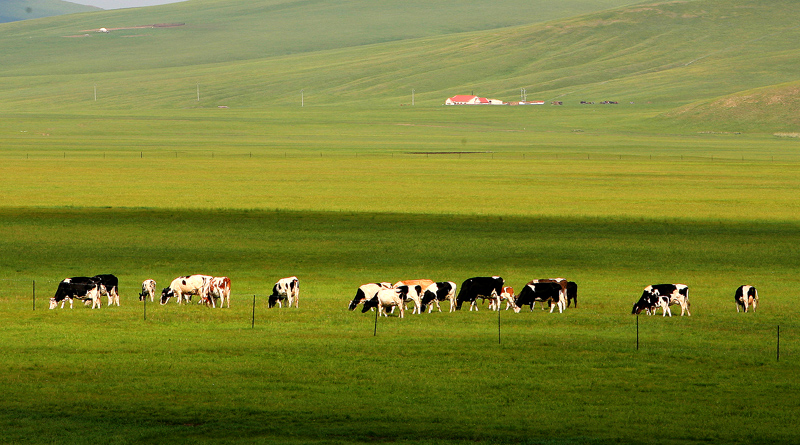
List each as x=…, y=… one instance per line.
x=166, y=294
x=369, y=304
x=427, y=297
x=53, y=303
x=358, y=299
x=639, y=306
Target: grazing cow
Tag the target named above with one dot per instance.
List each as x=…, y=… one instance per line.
x=479, y=287
x=746, y=296
x=109, y=285
x=83, y=288
x=414, y=295
x=548, y=291
x=184, y=287
x=367, y=292
x=148, y=289
x=507, y=295
x=219, y=287
x=422, y=283
x=285, y=289
x=663, y=296
x=649, y=302
x=384, y=298
x=436, y=292
x=572, y=293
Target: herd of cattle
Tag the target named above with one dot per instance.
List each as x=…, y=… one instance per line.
x=210, y=290
x=385, y=297
x=556, y=292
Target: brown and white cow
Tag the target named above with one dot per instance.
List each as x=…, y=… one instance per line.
x=184, y=287
x=219, y=287
x=422, y=283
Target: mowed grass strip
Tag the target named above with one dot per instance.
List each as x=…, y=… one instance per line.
x=317, y=374
x=415, y=184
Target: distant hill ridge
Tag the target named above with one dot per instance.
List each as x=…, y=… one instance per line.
x=248, y=54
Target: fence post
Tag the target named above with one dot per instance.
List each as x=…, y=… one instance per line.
x=377, y=311
x=253, y=322
x=34, y=295
x=779, y=343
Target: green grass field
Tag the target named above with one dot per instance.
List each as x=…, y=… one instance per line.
x=692, y=178
x=318, y=375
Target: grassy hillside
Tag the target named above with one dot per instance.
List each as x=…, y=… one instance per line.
x=15, y=10
x=253, y=55
x=775, y=107
x=223, y=31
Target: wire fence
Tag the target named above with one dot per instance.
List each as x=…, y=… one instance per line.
x=781, y=338
x=433, y=155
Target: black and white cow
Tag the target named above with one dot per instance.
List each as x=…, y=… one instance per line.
x=479, y=287
x=367, y=292
x=285, y=289
x=109, y=286
x=544, y=291
x=184, y=287
x=436, y=292
x=663, y=296
x=745, y=297
x=83, y=288
x=148, y=289
x=572, y=293
x=414, y=295
x=388, y=298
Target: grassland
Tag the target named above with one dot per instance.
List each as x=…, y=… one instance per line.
x=149, y=182
x=317, y=375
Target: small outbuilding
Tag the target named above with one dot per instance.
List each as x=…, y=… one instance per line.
x=463, y=99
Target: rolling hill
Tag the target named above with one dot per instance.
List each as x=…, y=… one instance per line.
x=667, y=55
x=15, y=10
